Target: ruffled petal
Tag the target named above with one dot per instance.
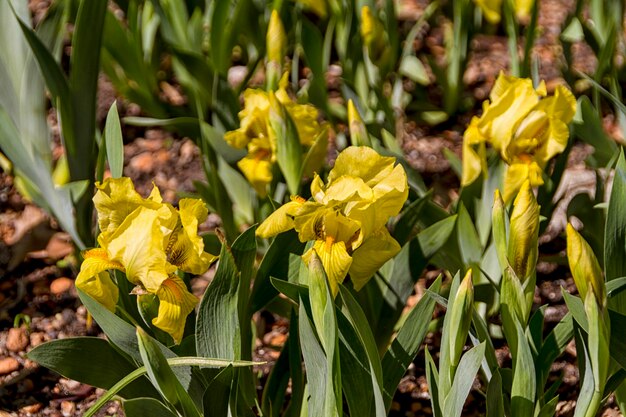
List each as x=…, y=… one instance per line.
x=115, y=199
x=138, y=244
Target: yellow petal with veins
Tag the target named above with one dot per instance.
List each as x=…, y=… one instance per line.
x=335, y=260
x=186, y=248
x=175, y=304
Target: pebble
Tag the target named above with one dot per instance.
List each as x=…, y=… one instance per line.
x=32, y=408
x=143, y=162
x=37, y=338
x=17, y=339
x=61, y=285
x=68, y=408
x=8, y=365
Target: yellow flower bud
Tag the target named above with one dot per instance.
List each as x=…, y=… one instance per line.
x=522, y=249
x=358, y=132
x=584, y=266
x=276, y=39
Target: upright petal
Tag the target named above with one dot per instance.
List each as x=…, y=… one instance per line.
x=363, y=162
x=512, y=99
x=175, y=304
x=115, y=199
x=138, y=244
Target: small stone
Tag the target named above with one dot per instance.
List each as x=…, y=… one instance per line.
x=37, y=338
x=32, y=408
x=17, y=339
x=68, y=408
x=143, y=162
x=8, y=365
x=61, y=285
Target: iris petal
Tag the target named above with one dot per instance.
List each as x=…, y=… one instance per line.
x=175, y=304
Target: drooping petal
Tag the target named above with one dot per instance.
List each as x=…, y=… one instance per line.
x=258, y=172
x=95, y=281
x=175, y=304
x=371, y=255
x=474, y=153
x=138, y=244
x=280, y=220
x=335, y=260
x=517, y=173
x=186, y=247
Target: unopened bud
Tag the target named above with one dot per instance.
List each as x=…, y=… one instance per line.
x=584, y=267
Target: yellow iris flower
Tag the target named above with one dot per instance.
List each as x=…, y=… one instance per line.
x=492, y=9
x=347, y=216
x=524, y=126
x=148, y=240
x=255, y=134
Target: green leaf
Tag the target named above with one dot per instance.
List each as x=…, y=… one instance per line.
x=288, y=147
x=359, y=322
x=114, y=142
x=321, y=402
x=83, y=84
x=524, y=389
x=81, y=359
x=469, y=242
x=217, y=395
x=588, y=127
x=408, y=220
x=275, y=263
x=412, y=68
x=615, y=234
x=217, y=325
x=407, y=343
x=495, y=403
x=162, y=376
x=139, y=407
x=173, y=362
x=553, y=346
x=549, y=408
x=123, y=335
x=463, y=380
x=432, y=377
x=615, y=286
